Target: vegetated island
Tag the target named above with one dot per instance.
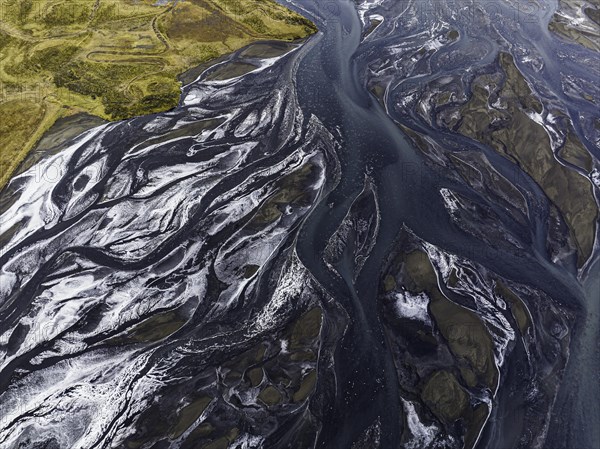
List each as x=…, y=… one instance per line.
x=114, y=59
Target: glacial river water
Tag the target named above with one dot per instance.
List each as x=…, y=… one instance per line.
x=158, y=214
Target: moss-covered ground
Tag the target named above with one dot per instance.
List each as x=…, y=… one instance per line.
x=513, y=133
x=114, y=58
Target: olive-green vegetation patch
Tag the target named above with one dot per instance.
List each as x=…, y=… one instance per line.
x=475, y=422
x=514, y=134
x=115, y=58
x=418, y=140
x=306, y=387
x=224, y=441
x=465, y=333
x=200, y=433
x=584, y=32
x=18, y=121
x=65, y=129
x=593, y=14
x=51, y=58
x=267, y=49
x=96, y=80
x=231, y=70
x=306, y=329
x=303, y=356
x=378, y=92
x=443, y=98
x=445, y=382
x=233, y=377
x=255, y=375
x=290, y=191
x=419, y=274
x=453, y=35
x=157, y=327
x=250, y=270
x=588, y=40
x=574, y=152
x=468, y=376
x=203, y=430
x=516, y=87
x=453, y=278
x=247, y=358
x=189, y=414
x=445, y=397
x=374, y=23
x=389, y=283
x=467, y=337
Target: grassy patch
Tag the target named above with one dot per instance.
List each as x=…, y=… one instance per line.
x=306, y=329
x=19, y=120
x=189, y=414
x=445, y=397
x=114, y=58
x=255, y=375
x=154, y=328
x=517, y=307
x=524, y=141
x=586, y=34
x=270, y=396
x=464, y=331
x=574, y=152
x=306, y=387
x=231, y=70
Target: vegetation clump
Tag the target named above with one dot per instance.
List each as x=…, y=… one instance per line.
x=114, y=59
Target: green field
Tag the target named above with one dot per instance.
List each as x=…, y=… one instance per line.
x=114, y=58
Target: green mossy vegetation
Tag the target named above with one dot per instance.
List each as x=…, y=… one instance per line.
x=290, y=191
x=255, y=375
x=114, y=59
x=524, y=141
x=19, y=120
x=270, y=396
x=306, y=387
x=467, y=336
x=517, y=306
x=152, y=329
x=445, y=397
x=189, y=414
x=306, y=329
x=223, y=442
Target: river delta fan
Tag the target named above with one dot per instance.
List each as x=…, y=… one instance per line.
x=384, y=237
x=114, y=59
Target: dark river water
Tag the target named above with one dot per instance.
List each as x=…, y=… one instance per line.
x=162, y=214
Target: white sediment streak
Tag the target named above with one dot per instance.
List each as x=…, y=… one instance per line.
x=411, y=306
